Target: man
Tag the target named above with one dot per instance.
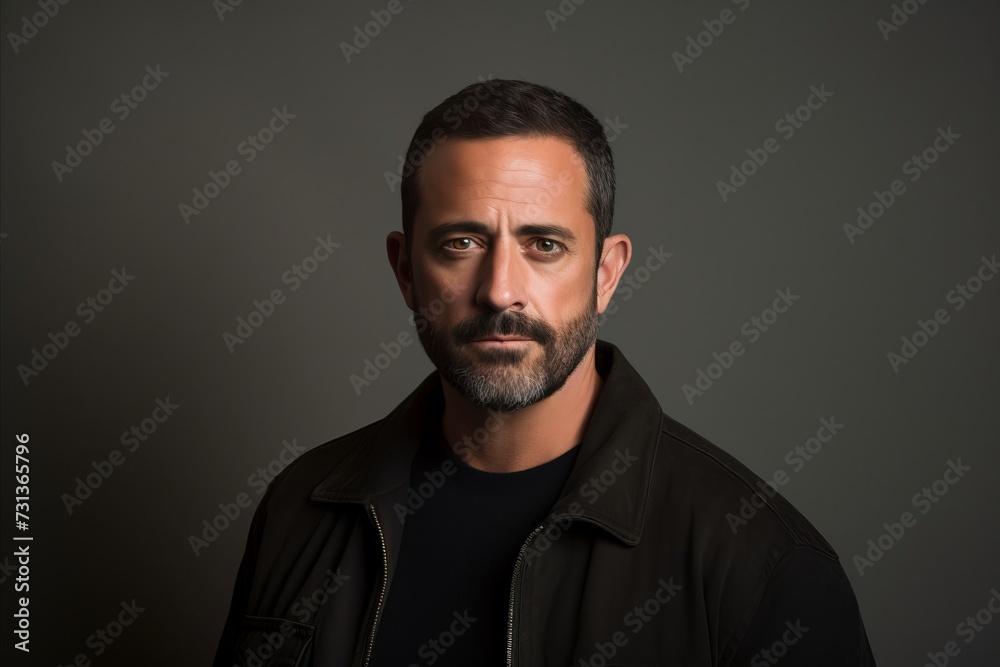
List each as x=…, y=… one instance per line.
x=529, y=503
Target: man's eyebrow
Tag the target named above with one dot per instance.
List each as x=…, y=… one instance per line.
x=472, y=227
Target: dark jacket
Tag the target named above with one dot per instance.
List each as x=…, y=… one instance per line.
x=639, y=563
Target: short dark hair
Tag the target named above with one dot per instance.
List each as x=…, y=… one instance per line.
x=508, y=107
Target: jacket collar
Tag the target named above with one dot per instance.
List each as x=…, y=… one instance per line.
x=608, y=485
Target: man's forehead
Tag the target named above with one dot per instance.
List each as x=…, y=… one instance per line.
x=543, y=172
x=465, y=152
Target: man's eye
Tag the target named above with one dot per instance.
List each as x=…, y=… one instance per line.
x=463, y=243
x=547, y=246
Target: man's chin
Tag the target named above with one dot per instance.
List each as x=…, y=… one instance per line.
x=498, y=386
x=503, y=402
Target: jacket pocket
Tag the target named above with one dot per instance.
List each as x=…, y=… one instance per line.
x=273, y=642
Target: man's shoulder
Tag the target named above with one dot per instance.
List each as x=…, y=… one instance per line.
x=731, y=503
x=302, y=475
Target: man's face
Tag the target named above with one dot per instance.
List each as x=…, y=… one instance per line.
x=503, y=285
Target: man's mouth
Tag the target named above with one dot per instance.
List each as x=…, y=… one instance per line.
x=502, y=340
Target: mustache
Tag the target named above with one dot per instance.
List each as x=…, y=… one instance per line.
x=503, y=324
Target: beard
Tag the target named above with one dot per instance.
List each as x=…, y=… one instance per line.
x=507, y=378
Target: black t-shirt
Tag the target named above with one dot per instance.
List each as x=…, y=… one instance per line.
x=448, y=600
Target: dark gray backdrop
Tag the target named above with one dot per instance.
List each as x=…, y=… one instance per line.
x=676, y=130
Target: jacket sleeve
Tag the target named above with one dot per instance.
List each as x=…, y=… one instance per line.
x=225, y=654
x=807, y=616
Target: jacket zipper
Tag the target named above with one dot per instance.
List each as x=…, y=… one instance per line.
x=381, y=592
x=513, y=586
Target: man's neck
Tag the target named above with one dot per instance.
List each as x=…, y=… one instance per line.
x=537, y=434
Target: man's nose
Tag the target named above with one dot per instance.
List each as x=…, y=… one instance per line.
x=501, y=278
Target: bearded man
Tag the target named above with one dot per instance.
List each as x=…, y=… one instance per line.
x=529, y=503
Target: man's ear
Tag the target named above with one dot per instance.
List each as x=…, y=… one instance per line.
x=395, y=246
x=615, y=256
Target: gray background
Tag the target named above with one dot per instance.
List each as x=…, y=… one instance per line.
x=324, y=175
